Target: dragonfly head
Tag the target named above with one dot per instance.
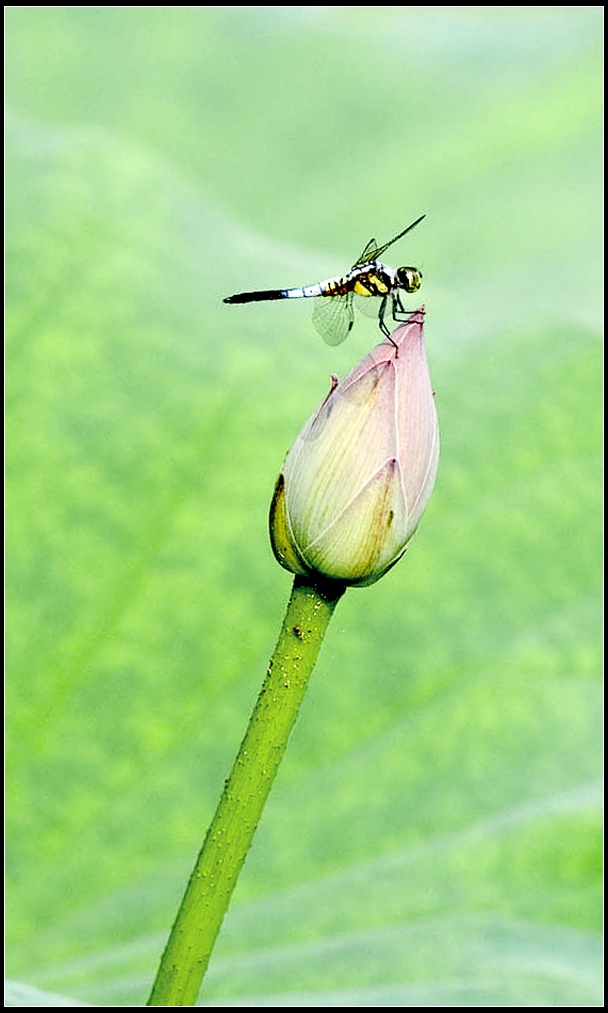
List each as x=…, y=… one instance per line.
x=409, y=278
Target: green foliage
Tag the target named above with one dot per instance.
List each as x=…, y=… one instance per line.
x=434, y=834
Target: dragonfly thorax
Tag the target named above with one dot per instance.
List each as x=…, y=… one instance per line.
x=408, y=278
x=372, y=279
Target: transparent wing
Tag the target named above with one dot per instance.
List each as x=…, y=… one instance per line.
x=382, y=249
x=333, y=317
x=368, y=305
x=369, y=253
x=373, y=252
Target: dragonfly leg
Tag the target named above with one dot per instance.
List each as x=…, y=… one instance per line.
x=399, y=311
x=382, y=324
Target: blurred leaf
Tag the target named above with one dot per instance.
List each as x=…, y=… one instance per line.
x=16, y=994
x=434, y=837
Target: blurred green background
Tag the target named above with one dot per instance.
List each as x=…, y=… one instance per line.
x=433, y=838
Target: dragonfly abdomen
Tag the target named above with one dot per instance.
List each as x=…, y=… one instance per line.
x=363, y=282
x=271, y=293
x=333, y=286
x=321, y=288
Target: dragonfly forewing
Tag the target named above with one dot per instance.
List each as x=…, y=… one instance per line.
x=369, y=254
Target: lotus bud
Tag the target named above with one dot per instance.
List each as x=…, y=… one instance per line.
x=359, y=476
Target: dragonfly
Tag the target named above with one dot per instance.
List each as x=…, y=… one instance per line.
x=369, y=283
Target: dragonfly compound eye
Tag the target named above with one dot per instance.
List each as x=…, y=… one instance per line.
x=409, y=278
